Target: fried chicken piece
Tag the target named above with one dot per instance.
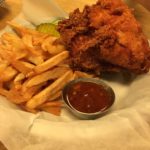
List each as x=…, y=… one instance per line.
x=106, y=37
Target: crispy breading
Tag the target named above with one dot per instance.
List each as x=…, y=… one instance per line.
x=106, y=37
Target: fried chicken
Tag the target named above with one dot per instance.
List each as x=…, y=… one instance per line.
x=105, y=37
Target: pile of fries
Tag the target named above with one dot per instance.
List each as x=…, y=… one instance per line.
x=33, y=69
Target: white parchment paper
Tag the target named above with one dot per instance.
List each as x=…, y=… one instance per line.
x=126, y=127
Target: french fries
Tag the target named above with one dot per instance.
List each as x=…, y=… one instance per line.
x=52, y=107
x=51, y=48
x=21, y=66
x=3, y=66
x=41, y=97
x=34, y=69
x=8, y=74
x=52, y=62
x=80, y=74
x=45, y=76
x=55, y=96
x=19, y=77
x=3, y=92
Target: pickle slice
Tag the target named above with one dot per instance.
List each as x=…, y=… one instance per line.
x=48, y=28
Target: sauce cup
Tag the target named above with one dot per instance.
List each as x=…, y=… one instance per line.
x=87, y=115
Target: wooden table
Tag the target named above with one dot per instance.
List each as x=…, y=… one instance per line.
x=15, y=6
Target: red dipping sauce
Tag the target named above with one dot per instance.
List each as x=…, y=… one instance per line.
x=88, y=97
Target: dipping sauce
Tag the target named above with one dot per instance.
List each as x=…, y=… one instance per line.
x=88, y=97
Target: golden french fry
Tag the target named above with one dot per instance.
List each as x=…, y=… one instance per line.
x=3, y=66
x=27, y=64
x=35, y=51
x=80, y=74
x=27, y=109
x=52, y=107
x=15, y=96
x=53, y=110
x=55, y=96
x=6, y=54
x=21, y=66
x=28, y=93
x=41, y=97
x=38, y=40
x=36, y=59
x=63, y=65
x=17, y=28
x=3, y=91
x=52, y=62
x=49, y=45
x=48, y=42
x=15, y=45
x=19, y=77
x=3, y=61
x=57, y=103
x=27, y=40
x=20, y=55
x=48, y=75
x=21, y=31
x=8, y=74
x=17, y=85
x=13, y=40
x=74, y=77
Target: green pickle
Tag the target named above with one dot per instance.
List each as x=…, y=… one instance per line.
x=48, y=28
x=55, y=22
